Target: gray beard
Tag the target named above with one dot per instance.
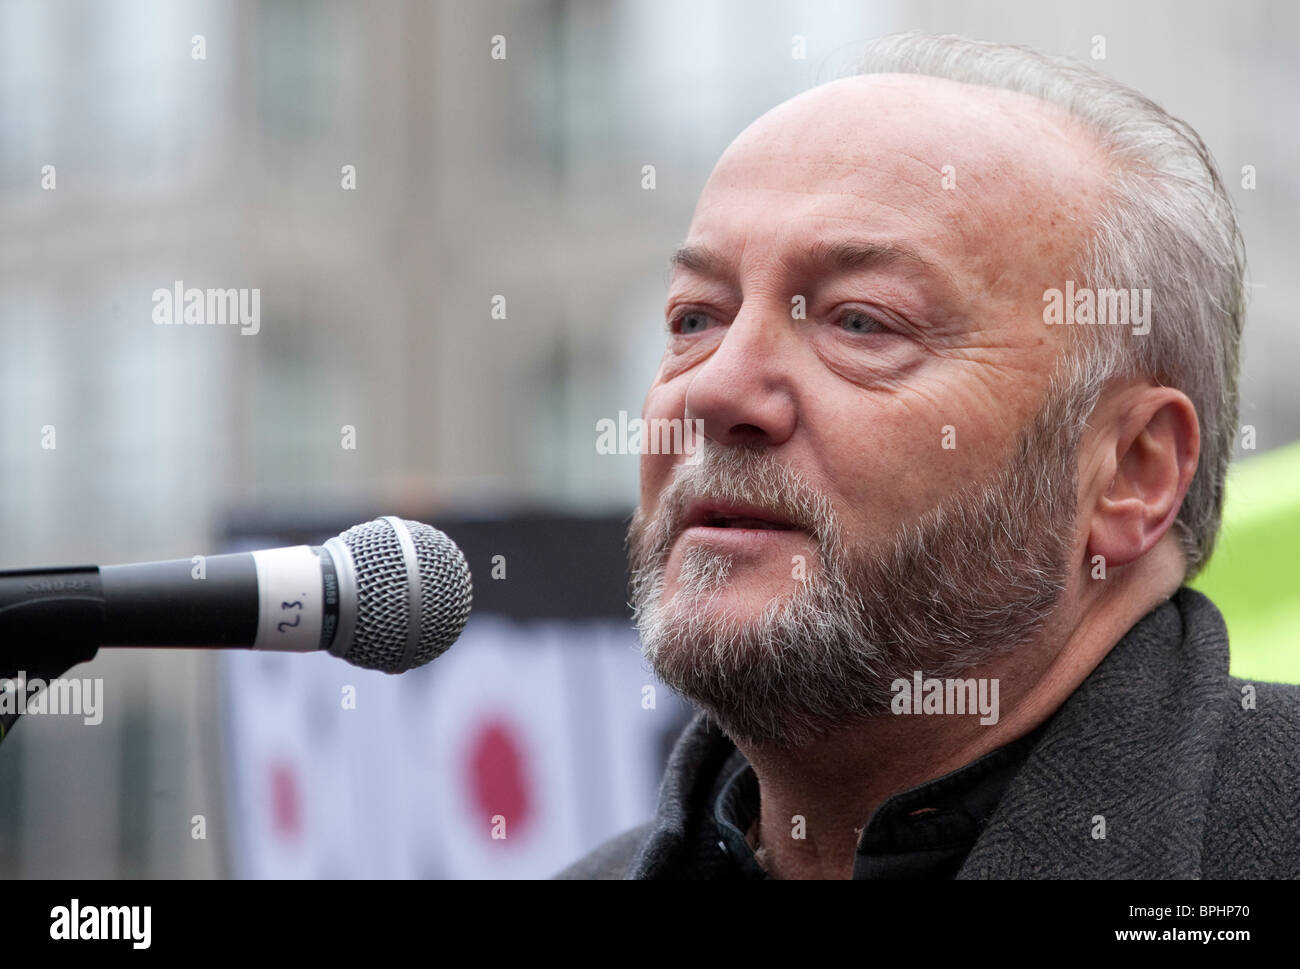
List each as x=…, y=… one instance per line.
x=971, y=579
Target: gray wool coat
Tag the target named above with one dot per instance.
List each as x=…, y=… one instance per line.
x=1196, y=773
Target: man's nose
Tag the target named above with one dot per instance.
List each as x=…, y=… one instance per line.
x=744, y=391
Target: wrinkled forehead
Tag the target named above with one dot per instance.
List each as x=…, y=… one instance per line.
x=996, y=185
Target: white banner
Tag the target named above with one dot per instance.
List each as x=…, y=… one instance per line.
x=521, y=748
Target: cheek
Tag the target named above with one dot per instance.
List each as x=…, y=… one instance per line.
x=886, y=456
x=663, y=401
x=656, y=473
x=872, y=440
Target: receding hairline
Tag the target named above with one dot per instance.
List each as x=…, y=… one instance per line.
x=1014, y=103
x=1081, y=155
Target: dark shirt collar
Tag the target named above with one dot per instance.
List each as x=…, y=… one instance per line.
x=922, y=833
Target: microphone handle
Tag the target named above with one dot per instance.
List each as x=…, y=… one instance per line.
x=149, y=604
x=284, y=599
x=206, y=601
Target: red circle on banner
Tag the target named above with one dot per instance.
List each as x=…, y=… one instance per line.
x=286, y=802
x=497, y=778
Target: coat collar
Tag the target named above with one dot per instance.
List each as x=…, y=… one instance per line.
x=1130, y=754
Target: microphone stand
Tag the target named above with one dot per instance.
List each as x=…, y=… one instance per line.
x=45, y=633
x=48, y=663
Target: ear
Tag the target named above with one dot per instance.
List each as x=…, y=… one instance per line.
x=1152, y=453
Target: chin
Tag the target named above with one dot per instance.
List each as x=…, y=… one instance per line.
x=703, y=580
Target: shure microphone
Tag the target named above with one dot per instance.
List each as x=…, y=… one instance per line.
x=388, y=595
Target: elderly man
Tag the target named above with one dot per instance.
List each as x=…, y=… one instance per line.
x=961, y=333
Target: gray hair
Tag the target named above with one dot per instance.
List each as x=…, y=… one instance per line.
x=1167, y=224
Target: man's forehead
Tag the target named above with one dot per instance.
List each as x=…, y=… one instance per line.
x=851, y=116
x=962, y=171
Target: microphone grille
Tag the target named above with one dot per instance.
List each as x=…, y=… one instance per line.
x=380, y=641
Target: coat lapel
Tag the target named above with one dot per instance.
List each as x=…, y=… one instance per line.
x=693, y=766
x=1133, y=749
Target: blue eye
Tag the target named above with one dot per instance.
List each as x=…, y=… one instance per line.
x=690, y=322
x=858, y=322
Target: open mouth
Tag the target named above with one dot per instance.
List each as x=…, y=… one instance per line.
x=714, y=514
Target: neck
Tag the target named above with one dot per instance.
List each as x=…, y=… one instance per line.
x=836, y=783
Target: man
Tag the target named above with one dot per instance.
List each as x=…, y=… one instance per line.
x=961, y=334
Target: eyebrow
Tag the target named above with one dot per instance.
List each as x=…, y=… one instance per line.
x=842, y=256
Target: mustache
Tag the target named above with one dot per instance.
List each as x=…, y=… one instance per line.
x=742, y=474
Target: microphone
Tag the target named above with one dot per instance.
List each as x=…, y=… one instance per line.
x=386, y=595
